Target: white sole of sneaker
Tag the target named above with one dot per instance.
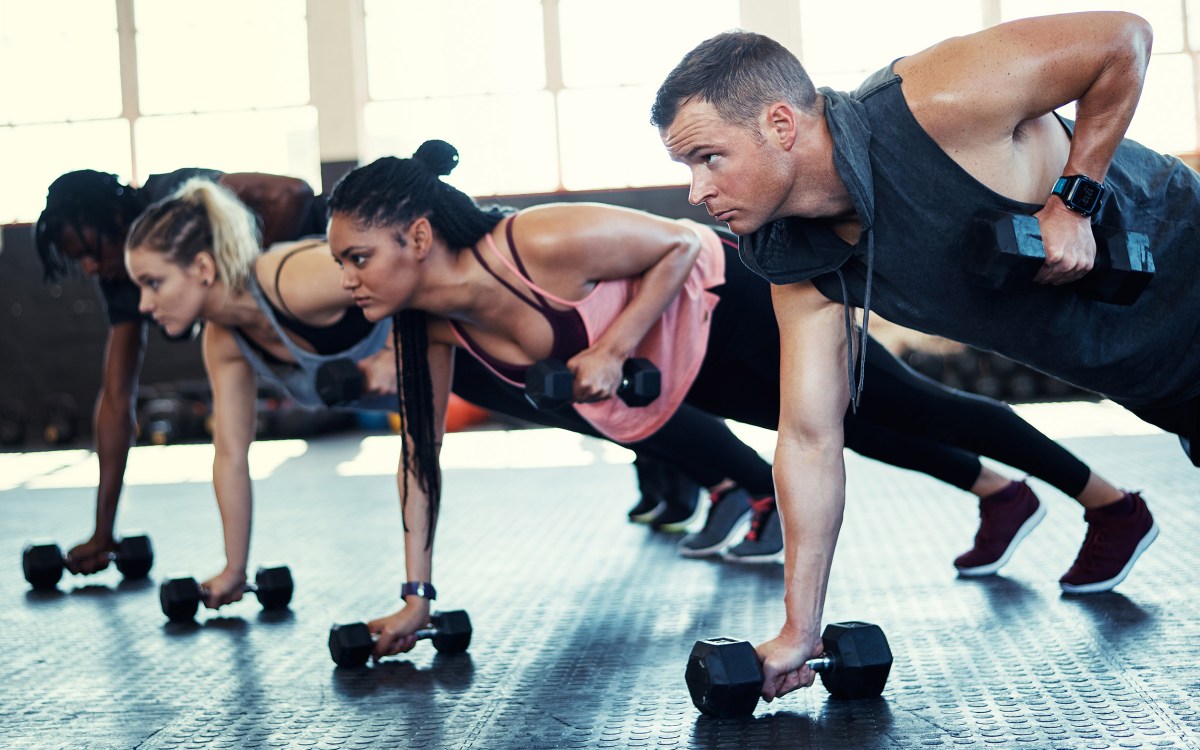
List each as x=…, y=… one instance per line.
x=774, y=557
x=678, y=526
x=989, y=569
x=649, y=515
x=1099, y=586
x=736, y=532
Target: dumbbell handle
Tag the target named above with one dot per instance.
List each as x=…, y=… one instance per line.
x=249, y=587
x=429, y=632
x=820, y=663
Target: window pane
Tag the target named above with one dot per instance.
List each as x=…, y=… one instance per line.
x=633, y=41
x=35, y=155
x=608, y=142
x=221, y=55
x=506, y=143
x=862, y=36
x=278, y=142
x=1166, y=16
x=59, y=60
x=417, y=48
x=1166, y=114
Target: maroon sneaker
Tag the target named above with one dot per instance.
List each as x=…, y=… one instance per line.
x=1005, y=519
x=1113, y=544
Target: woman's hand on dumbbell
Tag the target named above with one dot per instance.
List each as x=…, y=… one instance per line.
x=379, y=372
x=396, y=633
x=91, y=556
x=226, y=587
x=783, y=663
x=597, y=373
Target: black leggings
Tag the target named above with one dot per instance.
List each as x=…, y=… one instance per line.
x=693, y=441
x=904, y=418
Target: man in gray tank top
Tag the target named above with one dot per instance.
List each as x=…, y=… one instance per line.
x=864, y=200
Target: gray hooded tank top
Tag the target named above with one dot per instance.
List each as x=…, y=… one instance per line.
x=915, y=203
x=300, y=379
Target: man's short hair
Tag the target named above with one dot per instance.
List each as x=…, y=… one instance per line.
x=739, y=73
x=82, y=199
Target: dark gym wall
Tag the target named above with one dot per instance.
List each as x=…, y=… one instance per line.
x=52, y=337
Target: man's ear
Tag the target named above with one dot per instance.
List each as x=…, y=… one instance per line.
x=420, y=234
x=782, y=124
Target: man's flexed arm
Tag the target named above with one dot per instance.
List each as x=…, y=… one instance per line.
x=986, y=100
x=810, y=477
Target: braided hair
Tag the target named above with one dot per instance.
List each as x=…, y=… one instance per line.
x=82, y=199
x=392, y=192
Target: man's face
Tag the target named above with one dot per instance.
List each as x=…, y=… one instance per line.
x=97, y=254
x=741, y=176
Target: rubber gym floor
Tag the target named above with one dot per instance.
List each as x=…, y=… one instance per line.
x=582, y=621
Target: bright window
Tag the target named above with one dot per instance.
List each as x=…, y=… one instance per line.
x=844, y=41
x=280, y=141
x=59, y=64
x=224, y=85
x=526, y=118
x=506, y=144
x=35, y=155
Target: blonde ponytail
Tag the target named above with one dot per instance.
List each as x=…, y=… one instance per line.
x=202, y=216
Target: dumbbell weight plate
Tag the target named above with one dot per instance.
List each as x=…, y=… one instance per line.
x=42, y=564
x=350, y=644
x=862, y=658
x=180, y=598
x=135, y=556
x=275, y=586
x=723, y=677
x=453, y=631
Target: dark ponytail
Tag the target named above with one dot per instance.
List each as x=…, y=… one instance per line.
x=391, y=192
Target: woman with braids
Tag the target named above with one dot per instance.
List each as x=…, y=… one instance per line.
x=280, y=315
x=594, y=285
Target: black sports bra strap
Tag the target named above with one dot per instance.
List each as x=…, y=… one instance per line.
x=279, y=272
x=512, y=246
x=539, y=304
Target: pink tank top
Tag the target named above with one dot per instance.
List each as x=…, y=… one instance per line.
x=676, y=343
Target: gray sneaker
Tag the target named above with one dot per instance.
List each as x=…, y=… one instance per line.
x=728, y=519
x=764, y=540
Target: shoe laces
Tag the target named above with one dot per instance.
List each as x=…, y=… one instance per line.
x=760, y=510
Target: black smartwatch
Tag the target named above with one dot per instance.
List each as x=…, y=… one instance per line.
x=1079, y=193
x=418, y=588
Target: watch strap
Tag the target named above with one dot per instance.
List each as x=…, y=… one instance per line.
x=1067, y=188
x=418, y=588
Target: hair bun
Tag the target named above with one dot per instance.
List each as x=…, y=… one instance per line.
x=438, y=156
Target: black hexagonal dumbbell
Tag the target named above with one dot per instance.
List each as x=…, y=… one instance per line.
x=550, y=384
x=43, y=562
x=1005, y=251
x=725, y=680
x=350, y=645
x=339, y=381
x=181, y=597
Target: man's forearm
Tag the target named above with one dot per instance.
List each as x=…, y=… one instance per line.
x=113, y=434
x=810, y=484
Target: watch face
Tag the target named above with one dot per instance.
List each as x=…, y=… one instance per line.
x=1085, y=195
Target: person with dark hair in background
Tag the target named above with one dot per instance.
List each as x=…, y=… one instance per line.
x=83, y=228
x=593, y=285
x=865, y=199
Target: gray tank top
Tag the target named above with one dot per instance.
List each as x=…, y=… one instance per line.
x=916, y=204
x=300, y=379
